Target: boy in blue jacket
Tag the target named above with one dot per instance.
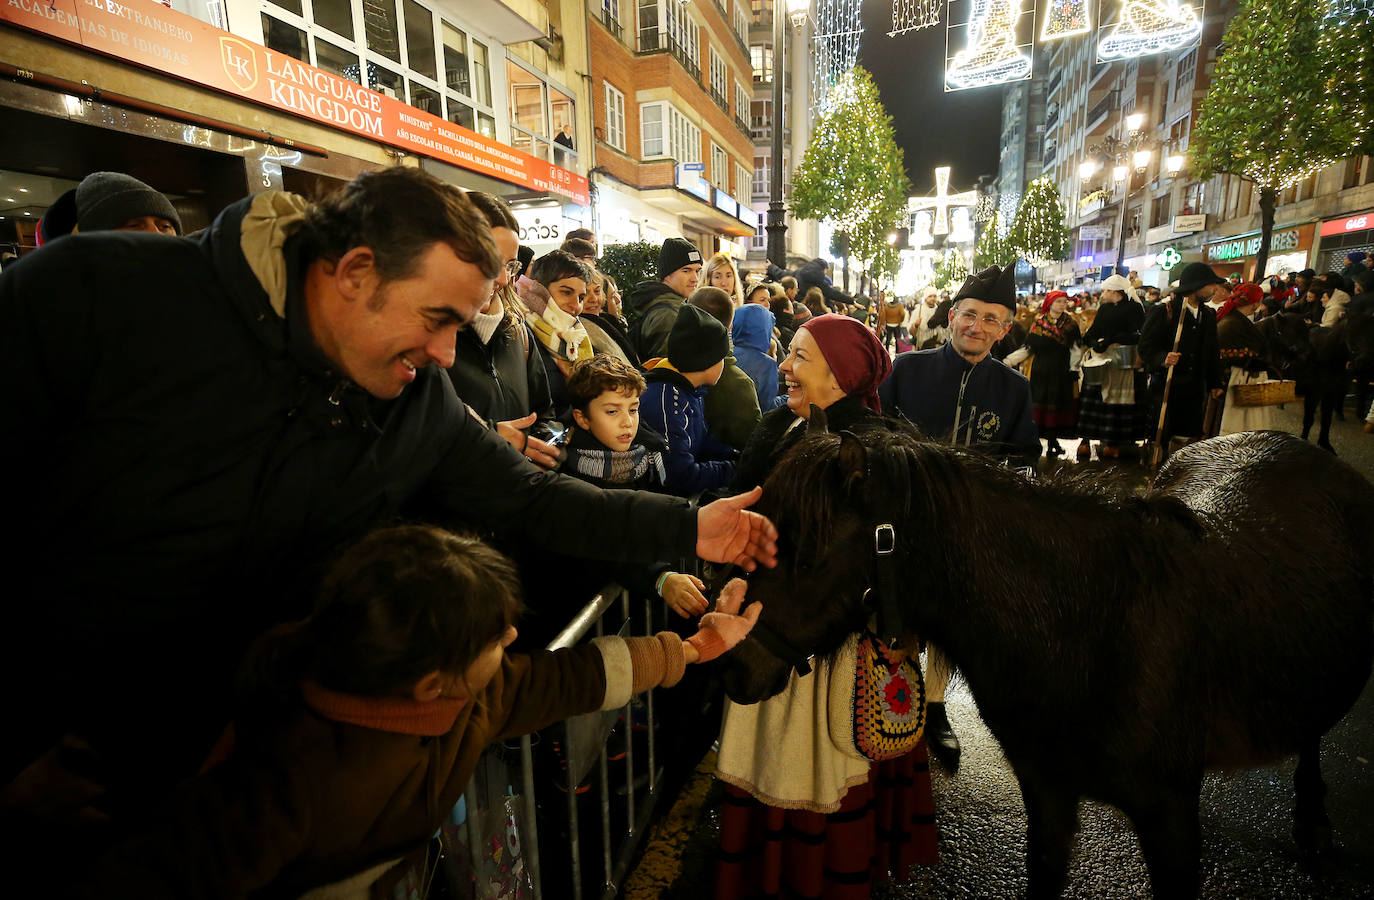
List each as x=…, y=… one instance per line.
x=751, y=332
x=673, y=404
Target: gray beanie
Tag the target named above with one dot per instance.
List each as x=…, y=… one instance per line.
x=106, y=200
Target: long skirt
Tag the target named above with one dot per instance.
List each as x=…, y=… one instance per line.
x=882, y=828
x=1244, y=418
x=1111, y=423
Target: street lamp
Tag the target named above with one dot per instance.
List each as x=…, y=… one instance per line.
x=1129, y=152
x=797, y=11
x=1174, y=163
x=1088, y=168
x=1119, y=173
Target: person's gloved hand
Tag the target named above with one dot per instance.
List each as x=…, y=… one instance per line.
x=723, y=629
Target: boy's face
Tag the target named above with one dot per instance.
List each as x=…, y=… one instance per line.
x=612, y=418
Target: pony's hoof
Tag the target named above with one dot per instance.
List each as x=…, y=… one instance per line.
x=1314, y=841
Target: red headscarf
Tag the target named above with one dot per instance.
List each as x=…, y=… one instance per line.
x=1049, y=300
x=1244, y=294
x=859, y=361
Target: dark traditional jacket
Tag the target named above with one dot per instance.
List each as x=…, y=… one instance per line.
x=191, y=460
x=1240, y=342
x=986, y=406
x=1200, y=360
x=1115, y=323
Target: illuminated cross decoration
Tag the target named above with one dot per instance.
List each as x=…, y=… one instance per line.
x=943, y=201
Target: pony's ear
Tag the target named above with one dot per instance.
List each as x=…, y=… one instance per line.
x=816, y=422
x=853, y=458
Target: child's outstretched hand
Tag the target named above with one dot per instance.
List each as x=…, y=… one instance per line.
x=723, y=629
x=684, y=594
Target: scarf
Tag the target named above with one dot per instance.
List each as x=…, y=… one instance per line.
x=484, y=325
x=617, y=466
x=561, y=333
x=399, y=715
x=1057, y=329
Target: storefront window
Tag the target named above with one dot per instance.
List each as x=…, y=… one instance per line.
x=526, y=100
x=283, y=38
x=481, y=74
x=336, y=15
x=379, y=25
x=424, y=99
x=341, y=62
x=420, y=39
x=456, y=61
x=289, y=5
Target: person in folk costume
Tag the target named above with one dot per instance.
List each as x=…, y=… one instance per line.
x=1196, y=362
x=805, y=814
x=1242, y=349
x=1109, y=407
x=1051, y=340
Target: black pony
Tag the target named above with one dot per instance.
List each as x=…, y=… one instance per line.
x=1117, y=645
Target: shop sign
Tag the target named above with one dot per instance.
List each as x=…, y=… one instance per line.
x=726, y=204
x=541, y=225
x=1168, y=258
x=145, y=33
x=691, y=180
x=1284, y=241
x=1347, y=225
x=1190, y=224
x=1159, y=234
x=1094, y=232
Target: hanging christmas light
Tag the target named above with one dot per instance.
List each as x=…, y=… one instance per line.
x=911, y=15
x=1065, y=18
x=993, y=54
x=943, y=201
x=839, y=26
x=1143, y=27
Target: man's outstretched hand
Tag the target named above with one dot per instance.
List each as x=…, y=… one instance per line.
x=727, y=532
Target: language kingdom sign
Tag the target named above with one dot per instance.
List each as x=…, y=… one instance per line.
x=145, y=33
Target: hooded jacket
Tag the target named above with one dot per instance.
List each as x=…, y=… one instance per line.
x=194, y=460
x=652, y=309
x=695, y=461
x=751, y=331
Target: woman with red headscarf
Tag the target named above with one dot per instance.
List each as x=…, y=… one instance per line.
x=1053, y=404
x=805, y=814
x=1243, y=351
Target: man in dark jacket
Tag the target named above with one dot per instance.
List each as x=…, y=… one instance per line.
x=652, y=305
x=1196, y=361
x=207, y=421
x=958, y=393
x=813, y=274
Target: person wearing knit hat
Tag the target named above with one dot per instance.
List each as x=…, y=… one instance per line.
x=1182, y=335
x=1052, y=337
x=1108, y=407
x=1242, y=349
x=113, y=201
x=652, y=306
x=831, y=373
x=673, y=404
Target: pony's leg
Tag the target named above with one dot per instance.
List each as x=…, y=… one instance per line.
x=1331, y=401
x=1311, y=828
x=1052, y=822
x=1171, y=839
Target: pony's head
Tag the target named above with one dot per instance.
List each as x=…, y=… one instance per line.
x=830, y=497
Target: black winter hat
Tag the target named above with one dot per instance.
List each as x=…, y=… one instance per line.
x=59, y=219
x=676, y=253
x=106, y=200
x=992, y=285
x=1196, y=276
x=697, y=342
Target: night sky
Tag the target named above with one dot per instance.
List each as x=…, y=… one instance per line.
x=933, y=128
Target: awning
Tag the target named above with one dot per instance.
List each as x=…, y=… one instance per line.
x=496, y=19
x=695, y=210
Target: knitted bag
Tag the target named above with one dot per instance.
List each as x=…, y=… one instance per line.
x=889, y=700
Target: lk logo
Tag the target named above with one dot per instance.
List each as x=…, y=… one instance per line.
x=239, y=62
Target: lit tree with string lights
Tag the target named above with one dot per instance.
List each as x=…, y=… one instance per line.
x=1289, y=97
x=1038, y=233
x=852, y=174
x=992, y=249
x=950, y=270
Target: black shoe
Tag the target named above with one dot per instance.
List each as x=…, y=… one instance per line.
x=940, y=738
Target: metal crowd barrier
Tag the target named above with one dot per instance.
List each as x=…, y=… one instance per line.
x=585, y=742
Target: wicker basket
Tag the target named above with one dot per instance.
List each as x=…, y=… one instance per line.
x=1266, y=393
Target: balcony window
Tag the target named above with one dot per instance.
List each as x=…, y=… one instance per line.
x=761, y=57
x=456, y=73
x=381, y=28
x=285, y=39
x=336, y=15
x=420, y=39
x=615, y=118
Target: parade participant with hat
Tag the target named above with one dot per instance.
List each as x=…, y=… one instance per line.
x=958, y=394
x=1182, y=335
x=1108, y=407
x=1242, y=349
x=1052, y=337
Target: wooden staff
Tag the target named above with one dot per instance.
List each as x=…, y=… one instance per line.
x=1158, y=456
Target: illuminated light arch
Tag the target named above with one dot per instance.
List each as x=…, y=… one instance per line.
x=1144, y=27
x=942, y=202
x=912, y=15
x=992, y=54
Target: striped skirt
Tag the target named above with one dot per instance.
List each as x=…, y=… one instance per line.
x=882, y=828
